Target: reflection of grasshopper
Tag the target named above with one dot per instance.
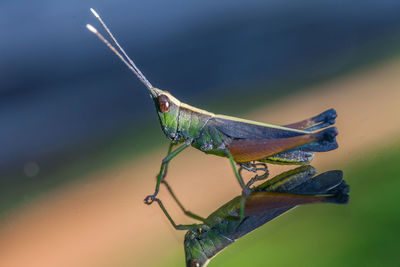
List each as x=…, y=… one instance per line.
x=242, y=141
x=265, y=202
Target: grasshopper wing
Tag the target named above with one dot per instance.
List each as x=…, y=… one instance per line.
x=245, y=129
x=264, y=201
x=317, y=122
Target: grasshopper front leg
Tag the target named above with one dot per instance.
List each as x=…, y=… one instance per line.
x=150, y=198
x=171, y=145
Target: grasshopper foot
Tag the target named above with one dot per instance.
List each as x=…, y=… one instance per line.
x=150, y=199
x=246, y=191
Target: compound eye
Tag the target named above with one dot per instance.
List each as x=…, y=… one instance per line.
x=163, y=103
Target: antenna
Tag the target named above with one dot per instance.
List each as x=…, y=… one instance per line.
x=131, y=65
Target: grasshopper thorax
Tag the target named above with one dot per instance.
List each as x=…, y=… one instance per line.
x=167, y=107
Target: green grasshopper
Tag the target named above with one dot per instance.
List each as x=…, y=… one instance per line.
x=244, y=142
x=264, y=203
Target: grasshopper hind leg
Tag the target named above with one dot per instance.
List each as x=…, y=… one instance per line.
x=290, y=157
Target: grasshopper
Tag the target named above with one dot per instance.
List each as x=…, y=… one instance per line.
x=244, y=142
x=264, y=203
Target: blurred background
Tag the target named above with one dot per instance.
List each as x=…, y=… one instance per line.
x=80, y=142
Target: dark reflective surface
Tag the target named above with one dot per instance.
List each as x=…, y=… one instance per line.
x=265, y=202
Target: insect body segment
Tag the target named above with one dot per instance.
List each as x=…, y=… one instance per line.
x=192, y=121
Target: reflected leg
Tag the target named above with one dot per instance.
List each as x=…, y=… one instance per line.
x=186, y=212
x=254, y=167
x=176, y=226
